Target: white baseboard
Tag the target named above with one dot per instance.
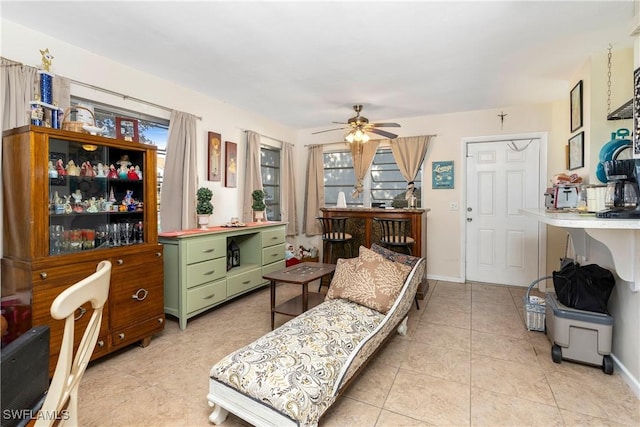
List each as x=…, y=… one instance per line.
x=445, y=278
x=632, y=382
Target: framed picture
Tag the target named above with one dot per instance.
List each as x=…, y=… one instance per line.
x=127, y=129
x=576, y=151
x=442, y=175
x=576, y=107
x=636, y=112
x=215, y=151
x=231, y=164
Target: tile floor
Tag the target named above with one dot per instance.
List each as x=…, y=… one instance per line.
x=467, y=360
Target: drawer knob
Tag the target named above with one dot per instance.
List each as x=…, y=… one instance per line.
x=121, y=335
x=43, y=275
x=140, y=294
x=158, y=254
x=246, y=282
x=120, y=261
x=160, y=320
x=208, y=251
x=209, y=273
x=100, y=343
x=210, y=296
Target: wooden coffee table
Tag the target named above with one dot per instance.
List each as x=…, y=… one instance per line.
x=299, y=274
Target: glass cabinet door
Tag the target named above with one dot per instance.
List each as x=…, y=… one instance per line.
x=96, y=196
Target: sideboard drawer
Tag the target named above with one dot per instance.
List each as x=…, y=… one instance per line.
x=244, y=281
x=273, y=254
x=205, y=249
x=270, y=268
x=273, y=237
x=206, y=295
x=206, y=271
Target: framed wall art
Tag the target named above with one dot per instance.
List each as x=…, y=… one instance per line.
x=231, y=164
x=442, y=175
x=215, y=152
x=576, y=107
x=127, y=129
x=576, y=151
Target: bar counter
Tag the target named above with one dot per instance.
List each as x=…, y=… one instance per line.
x=362, y=229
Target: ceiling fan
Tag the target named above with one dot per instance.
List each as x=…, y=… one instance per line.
x=359, y=126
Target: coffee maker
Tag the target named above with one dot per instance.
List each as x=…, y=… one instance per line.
x=623, y=189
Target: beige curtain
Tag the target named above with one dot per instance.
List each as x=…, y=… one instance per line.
x=62, y=91
x=19, y=83
x=314, y=192
x=178, y=193
x=288, y=190
x=409, y=154
x=253, y=175
x=362, y=155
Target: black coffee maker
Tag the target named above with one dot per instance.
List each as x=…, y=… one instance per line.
x=623, y=189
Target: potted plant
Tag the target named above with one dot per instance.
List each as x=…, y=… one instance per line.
x=258, y=205
x=204, y=208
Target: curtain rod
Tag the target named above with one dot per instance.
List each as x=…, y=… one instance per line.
x=345, y=142
x=265, y=136
x=123, y=96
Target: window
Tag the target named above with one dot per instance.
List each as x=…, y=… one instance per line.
x=270, y=170
x=388, y=186
x=384, y=183
x=339, y=176
x=151, y=130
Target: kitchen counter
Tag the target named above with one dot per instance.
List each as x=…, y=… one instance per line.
x=621, y=236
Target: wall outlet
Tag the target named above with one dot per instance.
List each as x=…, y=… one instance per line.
x=453, y=206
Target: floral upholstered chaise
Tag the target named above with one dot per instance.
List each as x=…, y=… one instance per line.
x=292, y=375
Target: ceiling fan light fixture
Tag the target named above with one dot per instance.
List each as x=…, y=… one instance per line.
x=349, y=137
x=89, y=147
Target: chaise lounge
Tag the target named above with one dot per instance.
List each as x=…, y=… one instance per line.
x=292, y=375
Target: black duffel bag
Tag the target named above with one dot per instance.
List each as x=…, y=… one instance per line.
x=586, y=287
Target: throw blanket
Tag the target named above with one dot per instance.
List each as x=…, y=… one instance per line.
x=295, y=371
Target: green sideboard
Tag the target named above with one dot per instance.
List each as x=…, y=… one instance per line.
x=195, y=265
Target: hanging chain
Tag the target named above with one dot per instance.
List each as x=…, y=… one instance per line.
x=609, y=80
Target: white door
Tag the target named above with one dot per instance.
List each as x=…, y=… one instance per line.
x=502, y=244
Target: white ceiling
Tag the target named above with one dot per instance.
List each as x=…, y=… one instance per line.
x=304, y=64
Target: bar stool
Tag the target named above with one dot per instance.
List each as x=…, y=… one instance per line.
x=395, y=235
x=334, y=232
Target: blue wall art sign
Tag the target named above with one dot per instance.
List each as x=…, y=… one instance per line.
x=442, y=175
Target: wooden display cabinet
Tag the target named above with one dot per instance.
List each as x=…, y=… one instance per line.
x=51, y=239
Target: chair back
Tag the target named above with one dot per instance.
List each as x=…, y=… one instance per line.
x=62, y=398
x=395, y=231
x=334, y=229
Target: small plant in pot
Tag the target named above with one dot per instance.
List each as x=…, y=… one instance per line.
x=204, y=207
x=258, y=205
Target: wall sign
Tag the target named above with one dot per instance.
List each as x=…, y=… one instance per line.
x=442, y=174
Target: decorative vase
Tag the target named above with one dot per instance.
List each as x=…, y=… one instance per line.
x=258, y=215
x=203, y=220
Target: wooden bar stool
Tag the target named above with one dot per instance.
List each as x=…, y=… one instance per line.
x=395, y=234
x=334, y=232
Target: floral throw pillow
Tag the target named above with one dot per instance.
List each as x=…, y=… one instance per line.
x=369, y=280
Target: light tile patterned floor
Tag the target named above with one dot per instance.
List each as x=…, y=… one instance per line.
x=467, y=360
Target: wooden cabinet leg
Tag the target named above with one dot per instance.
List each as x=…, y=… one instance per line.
x=144, y=342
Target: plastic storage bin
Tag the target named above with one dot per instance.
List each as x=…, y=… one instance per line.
x=578, y=335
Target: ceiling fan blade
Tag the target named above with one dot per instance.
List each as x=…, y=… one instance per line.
x=340, y=123
x=383, y=133
x=328, y=130
x=385, y=125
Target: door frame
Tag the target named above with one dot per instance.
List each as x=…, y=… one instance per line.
x=542, y=177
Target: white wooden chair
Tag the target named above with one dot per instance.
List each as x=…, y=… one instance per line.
x=62, y=398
